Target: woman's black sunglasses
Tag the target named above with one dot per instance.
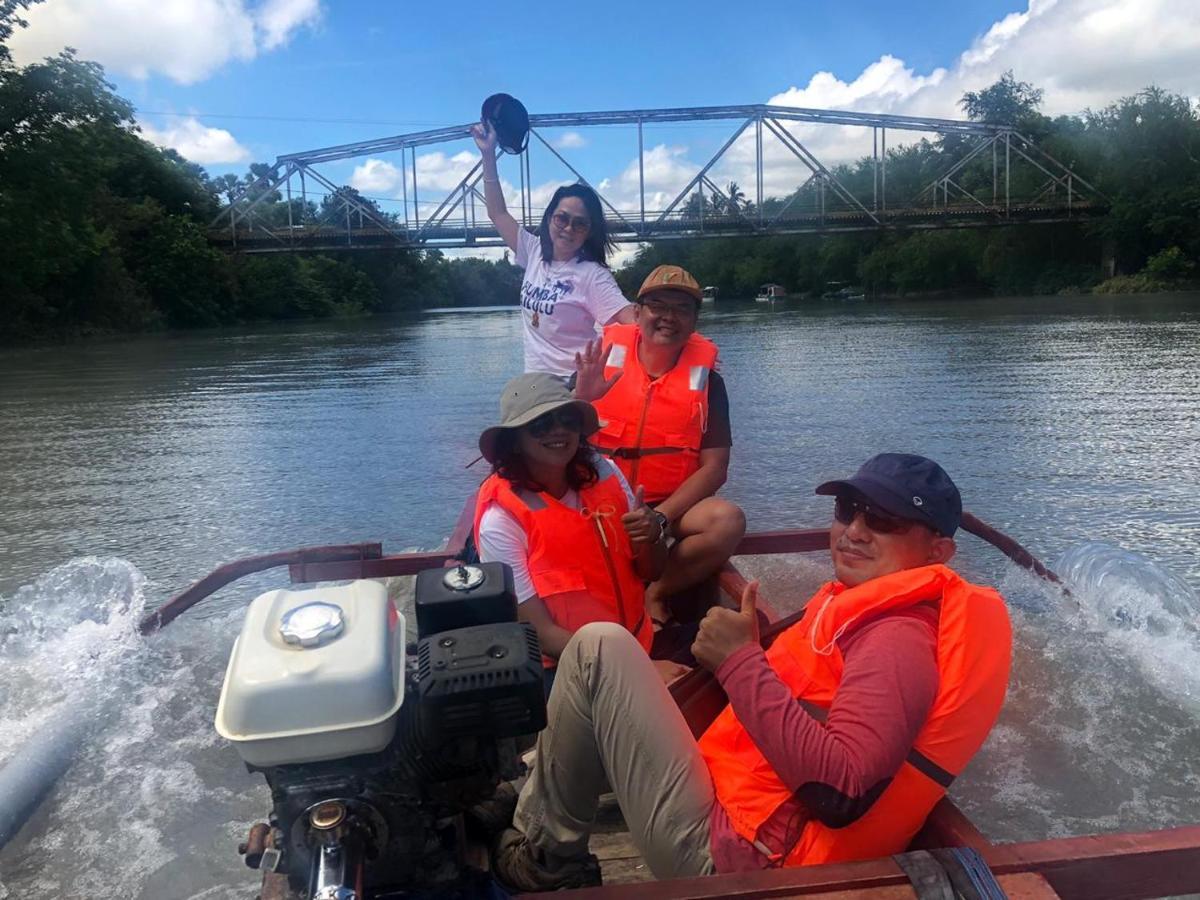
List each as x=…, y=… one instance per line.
x=568, y=417
x=845, y=508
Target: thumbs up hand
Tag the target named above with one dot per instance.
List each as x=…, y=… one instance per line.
x=640, y=523
x=724, y=631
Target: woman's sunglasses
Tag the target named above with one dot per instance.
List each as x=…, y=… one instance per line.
x=845, y=508
x=568, y=222
x=567, y=417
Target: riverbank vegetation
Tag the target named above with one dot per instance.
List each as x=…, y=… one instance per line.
x=1142, y=152
x=104, y=232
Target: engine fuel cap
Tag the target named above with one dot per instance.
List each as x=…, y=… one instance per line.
x=463, y=578
x=313, y=624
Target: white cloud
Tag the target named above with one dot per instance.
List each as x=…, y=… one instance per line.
x=376, y=176
x=570, y=140
x=439, y=171
x=186, y=40
x=278, y=19
x=197, y=142
x=666, y=170
x=1081, y=53
x=887, y=80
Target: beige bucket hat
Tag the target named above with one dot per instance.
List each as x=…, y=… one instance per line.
x=528, y=396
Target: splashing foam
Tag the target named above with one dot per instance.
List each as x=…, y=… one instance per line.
x=1100, y=723
x=1142, y=611
x=61, y=636
x=151, y=783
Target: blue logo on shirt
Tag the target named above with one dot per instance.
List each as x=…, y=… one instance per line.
x=542, y=299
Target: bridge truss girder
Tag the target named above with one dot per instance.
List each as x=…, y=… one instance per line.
x=823, y=202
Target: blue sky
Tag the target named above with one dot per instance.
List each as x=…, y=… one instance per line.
x=227, y=82
x=431, y=66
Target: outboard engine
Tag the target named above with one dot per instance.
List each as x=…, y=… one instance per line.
x=372, y=744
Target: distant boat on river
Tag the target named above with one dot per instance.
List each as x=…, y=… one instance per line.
x=710, y=294
x=839, y=290
x=769, y=293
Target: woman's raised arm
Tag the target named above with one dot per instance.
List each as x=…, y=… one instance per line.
x=485, y=140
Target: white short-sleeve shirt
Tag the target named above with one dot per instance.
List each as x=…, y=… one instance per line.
x=502, y=539
x=562, y=305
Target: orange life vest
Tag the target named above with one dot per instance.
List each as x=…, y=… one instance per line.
x=973, y=655
x=652, y=427
x=585, y=553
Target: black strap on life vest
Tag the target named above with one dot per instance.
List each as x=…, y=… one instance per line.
x=915, y=758
x=638, y=452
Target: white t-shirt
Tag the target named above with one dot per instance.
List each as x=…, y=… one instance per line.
x=561, y=305
x=502, y=539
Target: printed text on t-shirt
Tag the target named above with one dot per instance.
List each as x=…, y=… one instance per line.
x=542, y=299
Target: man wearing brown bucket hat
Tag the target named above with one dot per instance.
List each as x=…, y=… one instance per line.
x=664, y=420
x=579, y=542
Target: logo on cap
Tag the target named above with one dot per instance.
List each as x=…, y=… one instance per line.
x=917, y=501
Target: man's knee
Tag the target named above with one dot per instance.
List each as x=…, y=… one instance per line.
x=597, y=637
x=719, y=518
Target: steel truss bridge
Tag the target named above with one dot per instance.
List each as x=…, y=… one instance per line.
x=992, y=175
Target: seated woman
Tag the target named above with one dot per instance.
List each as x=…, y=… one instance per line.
x=580, y=543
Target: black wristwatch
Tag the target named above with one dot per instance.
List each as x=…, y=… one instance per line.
x=664, y=525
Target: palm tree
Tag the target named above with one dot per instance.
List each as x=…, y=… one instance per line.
x=735, y=198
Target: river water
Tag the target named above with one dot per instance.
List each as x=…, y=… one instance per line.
x=130, y=468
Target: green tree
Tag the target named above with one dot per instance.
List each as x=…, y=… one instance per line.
x=10, y=21
x=1007, y=102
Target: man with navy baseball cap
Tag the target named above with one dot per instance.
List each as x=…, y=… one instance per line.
x=898, y=511
x=837, y=740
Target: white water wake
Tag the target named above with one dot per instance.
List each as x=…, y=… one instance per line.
x=151, y=806
x=1141, y=611
x=65, y=637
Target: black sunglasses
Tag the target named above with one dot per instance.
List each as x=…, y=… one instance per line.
x=567, y=417
x=845, y=508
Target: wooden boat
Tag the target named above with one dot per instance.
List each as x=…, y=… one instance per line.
x=1100, y=867
x=769, y=293
x=838, y=290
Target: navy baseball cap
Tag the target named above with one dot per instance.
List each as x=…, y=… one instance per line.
x=908, y=486
x=510, y=119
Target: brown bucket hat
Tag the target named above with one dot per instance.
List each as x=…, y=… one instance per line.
x=531, y=395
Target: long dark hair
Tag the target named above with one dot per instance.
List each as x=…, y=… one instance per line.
x=597, y=245
x=510, y=464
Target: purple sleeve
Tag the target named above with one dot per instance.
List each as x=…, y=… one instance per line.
x=840, y=766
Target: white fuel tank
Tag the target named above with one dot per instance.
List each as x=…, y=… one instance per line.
x=316, y=673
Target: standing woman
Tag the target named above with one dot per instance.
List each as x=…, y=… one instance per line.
x=568, y=288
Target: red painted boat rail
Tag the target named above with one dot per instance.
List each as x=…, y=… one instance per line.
x=366, y=560
x=1097, y=867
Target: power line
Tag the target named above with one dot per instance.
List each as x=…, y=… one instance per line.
x=424, y=124
x=160, y=112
